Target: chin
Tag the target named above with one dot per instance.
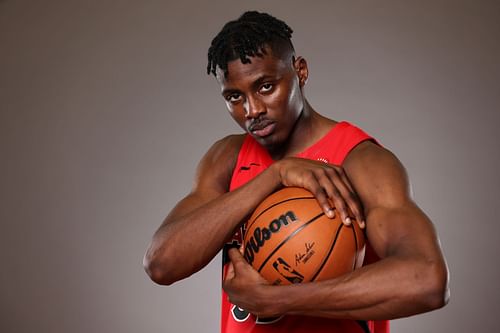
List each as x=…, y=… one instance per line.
x=271, y=142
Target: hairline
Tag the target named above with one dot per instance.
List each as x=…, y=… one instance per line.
x=278, y=48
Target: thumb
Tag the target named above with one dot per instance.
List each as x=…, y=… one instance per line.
x=229, y=272
x=235, y=256
x=236, y=259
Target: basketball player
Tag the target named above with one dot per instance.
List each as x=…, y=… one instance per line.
x=288, y=143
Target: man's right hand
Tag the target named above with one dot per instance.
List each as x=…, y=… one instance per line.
x=328, y=183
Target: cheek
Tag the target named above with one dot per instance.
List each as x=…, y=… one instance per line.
x=277, y=101
x=287, y=100
x=295, y=98
x=237, y=114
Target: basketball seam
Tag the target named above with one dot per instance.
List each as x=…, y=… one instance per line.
x=274, y=205
x=329, y=253
x=355, y=248
x=283, y=242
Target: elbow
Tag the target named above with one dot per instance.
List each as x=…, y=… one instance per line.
x=436, y=292
x=157, y=270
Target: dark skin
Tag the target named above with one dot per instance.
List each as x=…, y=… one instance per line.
x=266, y=99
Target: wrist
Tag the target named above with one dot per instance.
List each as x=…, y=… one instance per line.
x=272, y=300
x=275, y=171
x=291, y=299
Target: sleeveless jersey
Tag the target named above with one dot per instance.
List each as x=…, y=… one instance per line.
x=252, y=160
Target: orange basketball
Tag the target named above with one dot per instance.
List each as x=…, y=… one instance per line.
x=289, y=239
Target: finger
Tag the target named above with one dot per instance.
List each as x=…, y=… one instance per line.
x=341, y=206
x=353, y=200
x=336, y=190
x=344, y=196
x=321, y=196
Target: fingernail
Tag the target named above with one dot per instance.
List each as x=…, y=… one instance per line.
x=347, y=221
x=362, y=224
x=330, y=213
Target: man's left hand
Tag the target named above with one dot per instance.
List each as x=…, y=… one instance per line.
x=246, y=288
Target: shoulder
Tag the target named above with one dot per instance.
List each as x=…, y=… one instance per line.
x=217, y=165
x=367, y=153
x=227, y=147
x=377, y=174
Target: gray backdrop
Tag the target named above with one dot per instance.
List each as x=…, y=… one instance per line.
x=106, y=110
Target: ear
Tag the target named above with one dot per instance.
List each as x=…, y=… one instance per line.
x=300, y=65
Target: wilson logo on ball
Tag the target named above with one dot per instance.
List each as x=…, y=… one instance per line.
x=261, y=235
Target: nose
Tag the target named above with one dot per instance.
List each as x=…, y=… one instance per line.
x=254, y=107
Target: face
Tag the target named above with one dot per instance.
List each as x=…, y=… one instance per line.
x=265, y=96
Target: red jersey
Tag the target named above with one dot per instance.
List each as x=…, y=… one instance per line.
x=252, y=160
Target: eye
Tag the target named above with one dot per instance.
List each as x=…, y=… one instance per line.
x=233, y=98
x=266, y=87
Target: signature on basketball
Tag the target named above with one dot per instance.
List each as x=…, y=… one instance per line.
x=304, y=257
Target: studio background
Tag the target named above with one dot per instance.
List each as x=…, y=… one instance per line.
x=106, y=110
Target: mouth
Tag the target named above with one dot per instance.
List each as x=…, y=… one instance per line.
x=263, y=128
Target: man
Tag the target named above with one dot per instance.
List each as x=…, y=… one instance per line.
x=289, y=144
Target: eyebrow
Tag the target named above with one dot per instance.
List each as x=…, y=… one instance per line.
x=257, y=82
x=229, y=92
x=263, y=78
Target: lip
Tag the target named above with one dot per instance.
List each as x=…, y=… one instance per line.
x=258, y=124
x=263, y=129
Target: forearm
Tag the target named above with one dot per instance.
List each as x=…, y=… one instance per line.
x=185, y=243
x=410, y=278
x=368, y=293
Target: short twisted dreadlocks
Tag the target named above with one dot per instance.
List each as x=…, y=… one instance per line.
x=247, y=37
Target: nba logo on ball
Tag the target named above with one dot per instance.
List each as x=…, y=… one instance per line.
x=289, y=239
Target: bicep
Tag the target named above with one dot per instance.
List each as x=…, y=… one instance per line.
x=402, y=232
x=213, y=176
x=396, y=226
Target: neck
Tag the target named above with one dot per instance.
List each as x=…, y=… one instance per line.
x=309, y=128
